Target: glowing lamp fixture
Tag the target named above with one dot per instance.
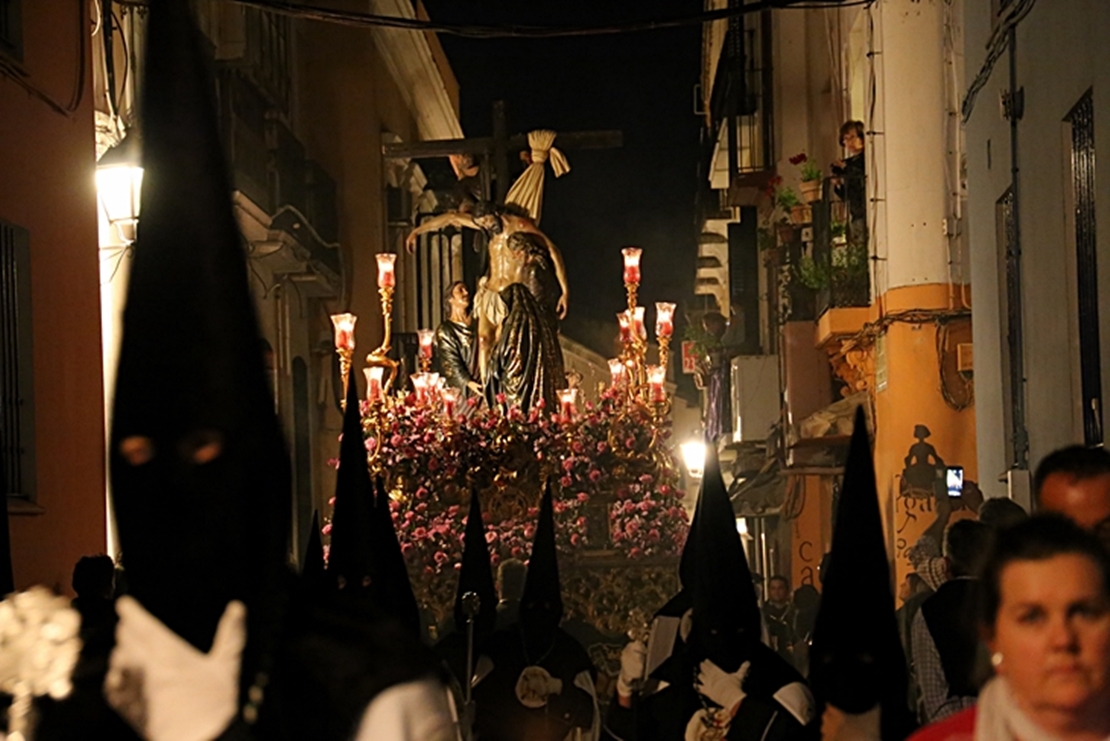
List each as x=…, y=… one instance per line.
x=344, y=331
x=374, y=383
x=657, y=376
x=617, y=371
x=567, y=398
x=625, y=322
x=119, y=183
x=451, y=397
x=664, y=319
x=693, y=455
x=387, y=278
x=426, y=336
x=638, y=323
x=631, y=265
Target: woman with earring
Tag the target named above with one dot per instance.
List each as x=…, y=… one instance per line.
x=1046, y=622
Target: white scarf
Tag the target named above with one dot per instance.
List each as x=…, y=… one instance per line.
x=998, y=717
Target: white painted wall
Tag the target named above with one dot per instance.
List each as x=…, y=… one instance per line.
x=1062, y=52
x=910, y=162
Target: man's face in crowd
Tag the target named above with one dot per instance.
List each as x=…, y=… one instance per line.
x=777, y=591
x=1085, y=501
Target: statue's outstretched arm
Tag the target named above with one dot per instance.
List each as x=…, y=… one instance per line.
x=434, y=224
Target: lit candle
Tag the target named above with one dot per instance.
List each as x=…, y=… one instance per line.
x=344, y=331
x=450, y=396
x=426, y=336
x=625, y=322
x=631, y=265
x=436, y=383
x=566, y=403
x=657, y=376
x=664, y=319
x=420, y=386
x=386, y=277
x=638, y=323
x=616, y=370
x=373, y=383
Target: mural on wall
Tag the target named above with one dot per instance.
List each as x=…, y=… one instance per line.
x=929, y=488
x=925, y=469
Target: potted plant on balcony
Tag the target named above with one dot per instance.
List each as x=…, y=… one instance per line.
x=811, y=177
x=788, y=201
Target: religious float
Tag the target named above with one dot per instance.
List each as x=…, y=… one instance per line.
x=620, y=520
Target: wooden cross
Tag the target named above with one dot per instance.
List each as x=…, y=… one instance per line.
x=495, y=149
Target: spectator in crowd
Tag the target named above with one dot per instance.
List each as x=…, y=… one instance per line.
x=851, y=180
x=713, y=374
x=1001, y=512
x=912, y=592
x=779, y=616
x=807, y=602
x=1046, y=622
x=944, y=634
x=1075, y=481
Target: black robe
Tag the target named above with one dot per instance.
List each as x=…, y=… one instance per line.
x=663, y=714
x=502, y=717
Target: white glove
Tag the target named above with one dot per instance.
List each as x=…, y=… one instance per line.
x=165, y=688
x=633, y=663
x=727, y=690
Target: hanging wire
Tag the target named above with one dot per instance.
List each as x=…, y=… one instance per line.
x=998, y=44
x=301, y=10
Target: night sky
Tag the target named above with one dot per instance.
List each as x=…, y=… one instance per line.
x=641, y=83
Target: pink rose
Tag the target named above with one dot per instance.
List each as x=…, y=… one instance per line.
x=583, y=496
x=602, y=447
x=568, y=464
x=566, y=481
x=326, y=529
x=595, y=475
x=574, y=539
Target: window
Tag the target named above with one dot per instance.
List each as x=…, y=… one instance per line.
x=17, y=464
x=1082, y=120
x=11, y=29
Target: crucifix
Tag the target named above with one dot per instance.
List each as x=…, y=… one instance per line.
x=492, y=154
x=494, y=150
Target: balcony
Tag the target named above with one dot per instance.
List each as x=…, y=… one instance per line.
x=836, y=264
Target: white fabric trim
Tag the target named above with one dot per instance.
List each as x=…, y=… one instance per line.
x=413, y=711
x=798, y=701
x=585, y=682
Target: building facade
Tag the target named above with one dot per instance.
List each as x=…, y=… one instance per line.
x=305, y=109
x=856, y=283
x=1039, y=271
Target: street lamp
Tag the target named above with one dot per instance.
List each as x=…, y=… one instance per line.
x=693, y=455
x=119, y=181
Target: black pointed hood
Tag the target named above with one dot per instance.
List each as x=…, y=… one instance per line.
x=856, y=660
x=727, y=621
x=476, y=574
x=351, y=557
x=313, y=570
x=541, y=604
x=392, y=587
x=200, y=474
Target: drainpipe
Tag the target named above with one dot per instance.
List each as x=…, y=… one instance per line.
x=1014, y=110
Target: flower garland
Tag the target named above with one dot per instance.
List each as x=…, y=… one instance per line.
x=612, y=456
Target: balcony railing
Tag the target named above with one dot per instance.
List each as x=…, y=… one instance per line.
x=838, y=266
